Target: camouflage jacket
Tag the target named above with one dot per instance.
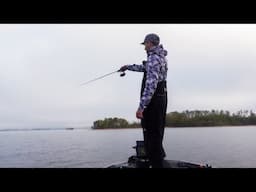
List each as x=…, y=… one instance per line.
x=156, y=71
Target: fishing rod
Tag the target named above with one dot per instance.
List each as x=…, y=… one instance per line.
x=101, y=77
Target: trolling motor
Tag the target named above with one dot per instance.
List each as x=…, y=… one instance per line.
x=140, y=159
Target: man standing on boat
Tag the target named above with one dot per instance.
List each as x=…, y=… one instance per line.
x=153, y=98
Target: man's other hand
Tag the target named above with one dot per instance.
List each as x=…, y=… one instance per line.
x=139, y=114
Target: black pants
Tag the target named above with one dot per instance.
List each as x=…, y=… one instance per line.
x=153, y=124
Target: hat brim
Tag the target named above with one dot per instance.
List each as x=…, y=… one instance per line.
x=143, y=43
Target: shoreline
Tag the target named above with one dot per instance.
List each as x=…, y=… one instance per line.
x=221, y=126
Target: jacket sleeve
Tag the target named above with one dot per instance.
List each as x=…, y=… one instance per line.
x=153, y=70
x=135, y=67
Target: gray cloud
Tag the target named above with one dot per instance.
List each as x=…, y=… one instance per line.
x=42, y=66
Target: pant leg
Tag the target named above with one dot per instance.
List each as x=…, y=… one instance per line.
x=153, y=125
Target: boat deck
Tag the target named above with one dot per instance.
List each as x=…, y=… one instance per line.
x=135, y=162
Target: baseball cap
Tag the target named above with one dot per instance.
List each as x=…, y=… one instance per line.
x=153, y=38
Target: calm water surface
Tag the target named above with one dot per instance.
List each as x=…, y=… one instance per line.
x=222, y=147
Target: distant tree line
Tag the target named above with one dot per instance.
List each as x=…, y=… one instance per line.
x=195, y=118
x=114, y=123
x=210, y=118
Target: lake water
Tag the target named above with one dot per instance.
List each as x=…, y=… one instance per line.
x=221, y=147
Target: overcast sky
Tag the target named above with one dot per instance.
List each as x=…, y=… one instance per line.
x=211, y=66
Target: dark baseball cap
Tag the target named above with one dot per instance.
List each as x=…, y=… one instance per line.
x=153, y=38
